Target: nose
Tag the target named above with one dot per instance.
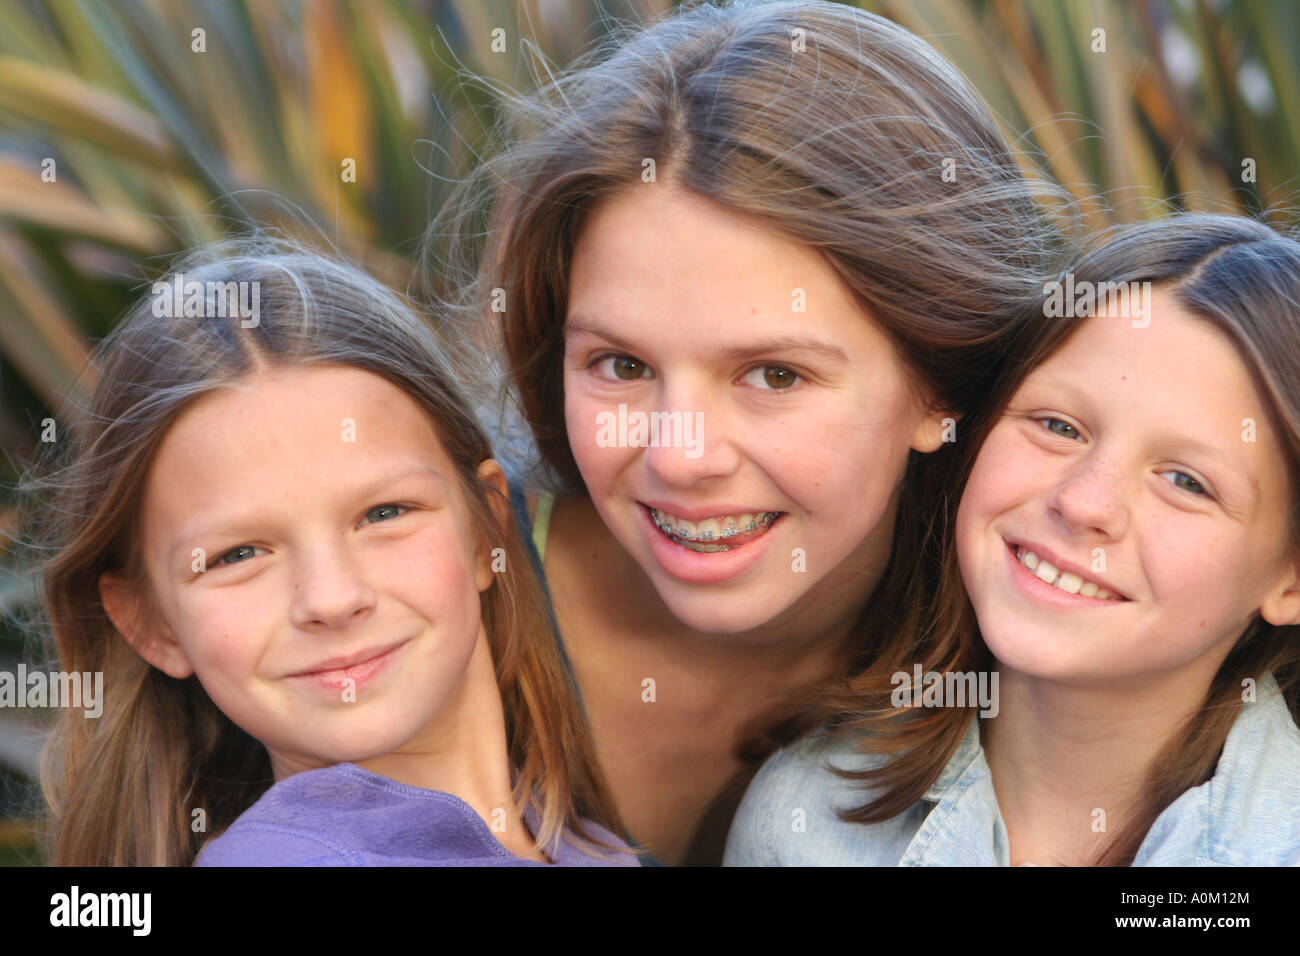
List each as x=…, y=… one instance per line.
x=330, y=591
x=690, y=437
x=1091, y=498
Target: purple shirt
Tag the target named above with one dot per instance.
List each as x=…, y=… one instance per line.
x=345, y=815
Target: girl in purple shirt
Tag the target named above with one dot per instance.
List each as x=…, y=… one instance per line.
x=280, y=535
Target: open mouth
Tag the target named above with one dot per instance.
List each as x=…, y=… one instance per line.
x=723, y=533
x=1065, y=581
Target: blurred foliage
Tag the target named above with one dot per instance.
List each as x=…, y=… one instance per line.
x=157, y=146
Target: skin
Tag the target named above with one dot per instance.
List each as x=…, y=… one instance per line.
x=1110, y=445
x=693, y=303
x=317, y=547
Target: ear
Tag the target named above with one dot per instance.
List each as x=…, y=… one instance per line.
x=498, y=499
x=930, y=431
x=158, y=646
x=1282, y=604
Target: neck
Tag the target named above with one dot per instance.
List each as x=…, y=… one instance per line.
x=1070, y=764
x=462, y=751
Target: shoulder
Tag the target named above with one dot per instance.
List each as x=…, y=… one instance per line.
x=789, y=814
x=599, y=848
x=1248, y=813
x=346, y=816
x=1254, y=796
x=290, y=825
x=257, y=844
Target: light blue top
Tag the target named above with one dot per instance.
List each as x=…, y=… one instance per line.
x=1247, y=814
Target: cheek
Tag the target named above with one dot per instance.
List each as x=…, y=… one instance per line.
x=846, y=443
x=580, y=422
x=224, y=635
x=1199, y=568
x=834, y=461
x=997, y=481
x=1006, y=475
x=432, y=571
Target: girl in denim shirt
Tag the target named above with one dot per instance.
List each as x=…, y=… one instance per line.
x=1111, y=671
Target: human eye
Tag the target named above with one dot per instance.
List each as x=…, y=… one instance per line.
x=771, y=378
x=389, y=512
x=239, y=555
x=625, y=368
x=1187, y=483
x=1061, y=428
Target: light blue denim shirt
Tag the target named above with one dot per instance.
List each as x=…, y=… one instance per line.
x=1247, y=814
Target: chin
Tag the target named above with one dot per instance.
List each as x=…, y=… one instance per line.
x=1041, y=661
x=360, y=742
x=715, y=614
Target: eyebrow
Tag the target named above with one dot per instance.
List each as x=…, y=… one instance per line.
x=234, y=524
x=583, y=325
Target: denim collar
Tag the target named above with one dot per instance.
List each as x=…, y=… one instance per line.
x=1247, y=813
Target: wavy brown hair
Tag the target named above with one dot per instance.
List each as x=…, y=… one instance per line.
x=840, y=143
x=121, y=788
x=1244, y=279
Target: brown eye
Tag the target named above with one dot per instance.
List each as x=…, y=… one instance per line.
x=771, y=378
x=777, y=377
x=627, y=368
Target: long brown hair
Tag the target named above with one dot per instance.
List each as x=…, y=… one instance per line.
x=121, y=789
x=826, y=124
x=1243, y=278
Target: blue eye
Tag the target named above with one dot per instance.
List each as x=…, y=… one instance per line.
x=1066, y=430
x=1189, y=483
x=391, y=510
x=243, y=550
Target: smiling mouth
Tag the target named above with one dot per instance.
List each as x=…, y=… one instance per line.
x=1065, y=581
x=341, y=667
x=723, y=533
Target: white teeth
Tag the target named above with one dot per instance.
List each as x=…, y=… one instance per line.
x=1046, y=571
x=1070, y=583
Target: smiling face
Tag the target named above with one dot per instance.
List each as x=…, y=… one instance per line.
x=1130, y=470
x=796, y=417
x=338, y=564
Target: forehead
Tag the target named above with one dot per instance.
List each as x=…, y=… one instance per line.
x=666, y=262
x=286, y=430
x=1155, y=347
